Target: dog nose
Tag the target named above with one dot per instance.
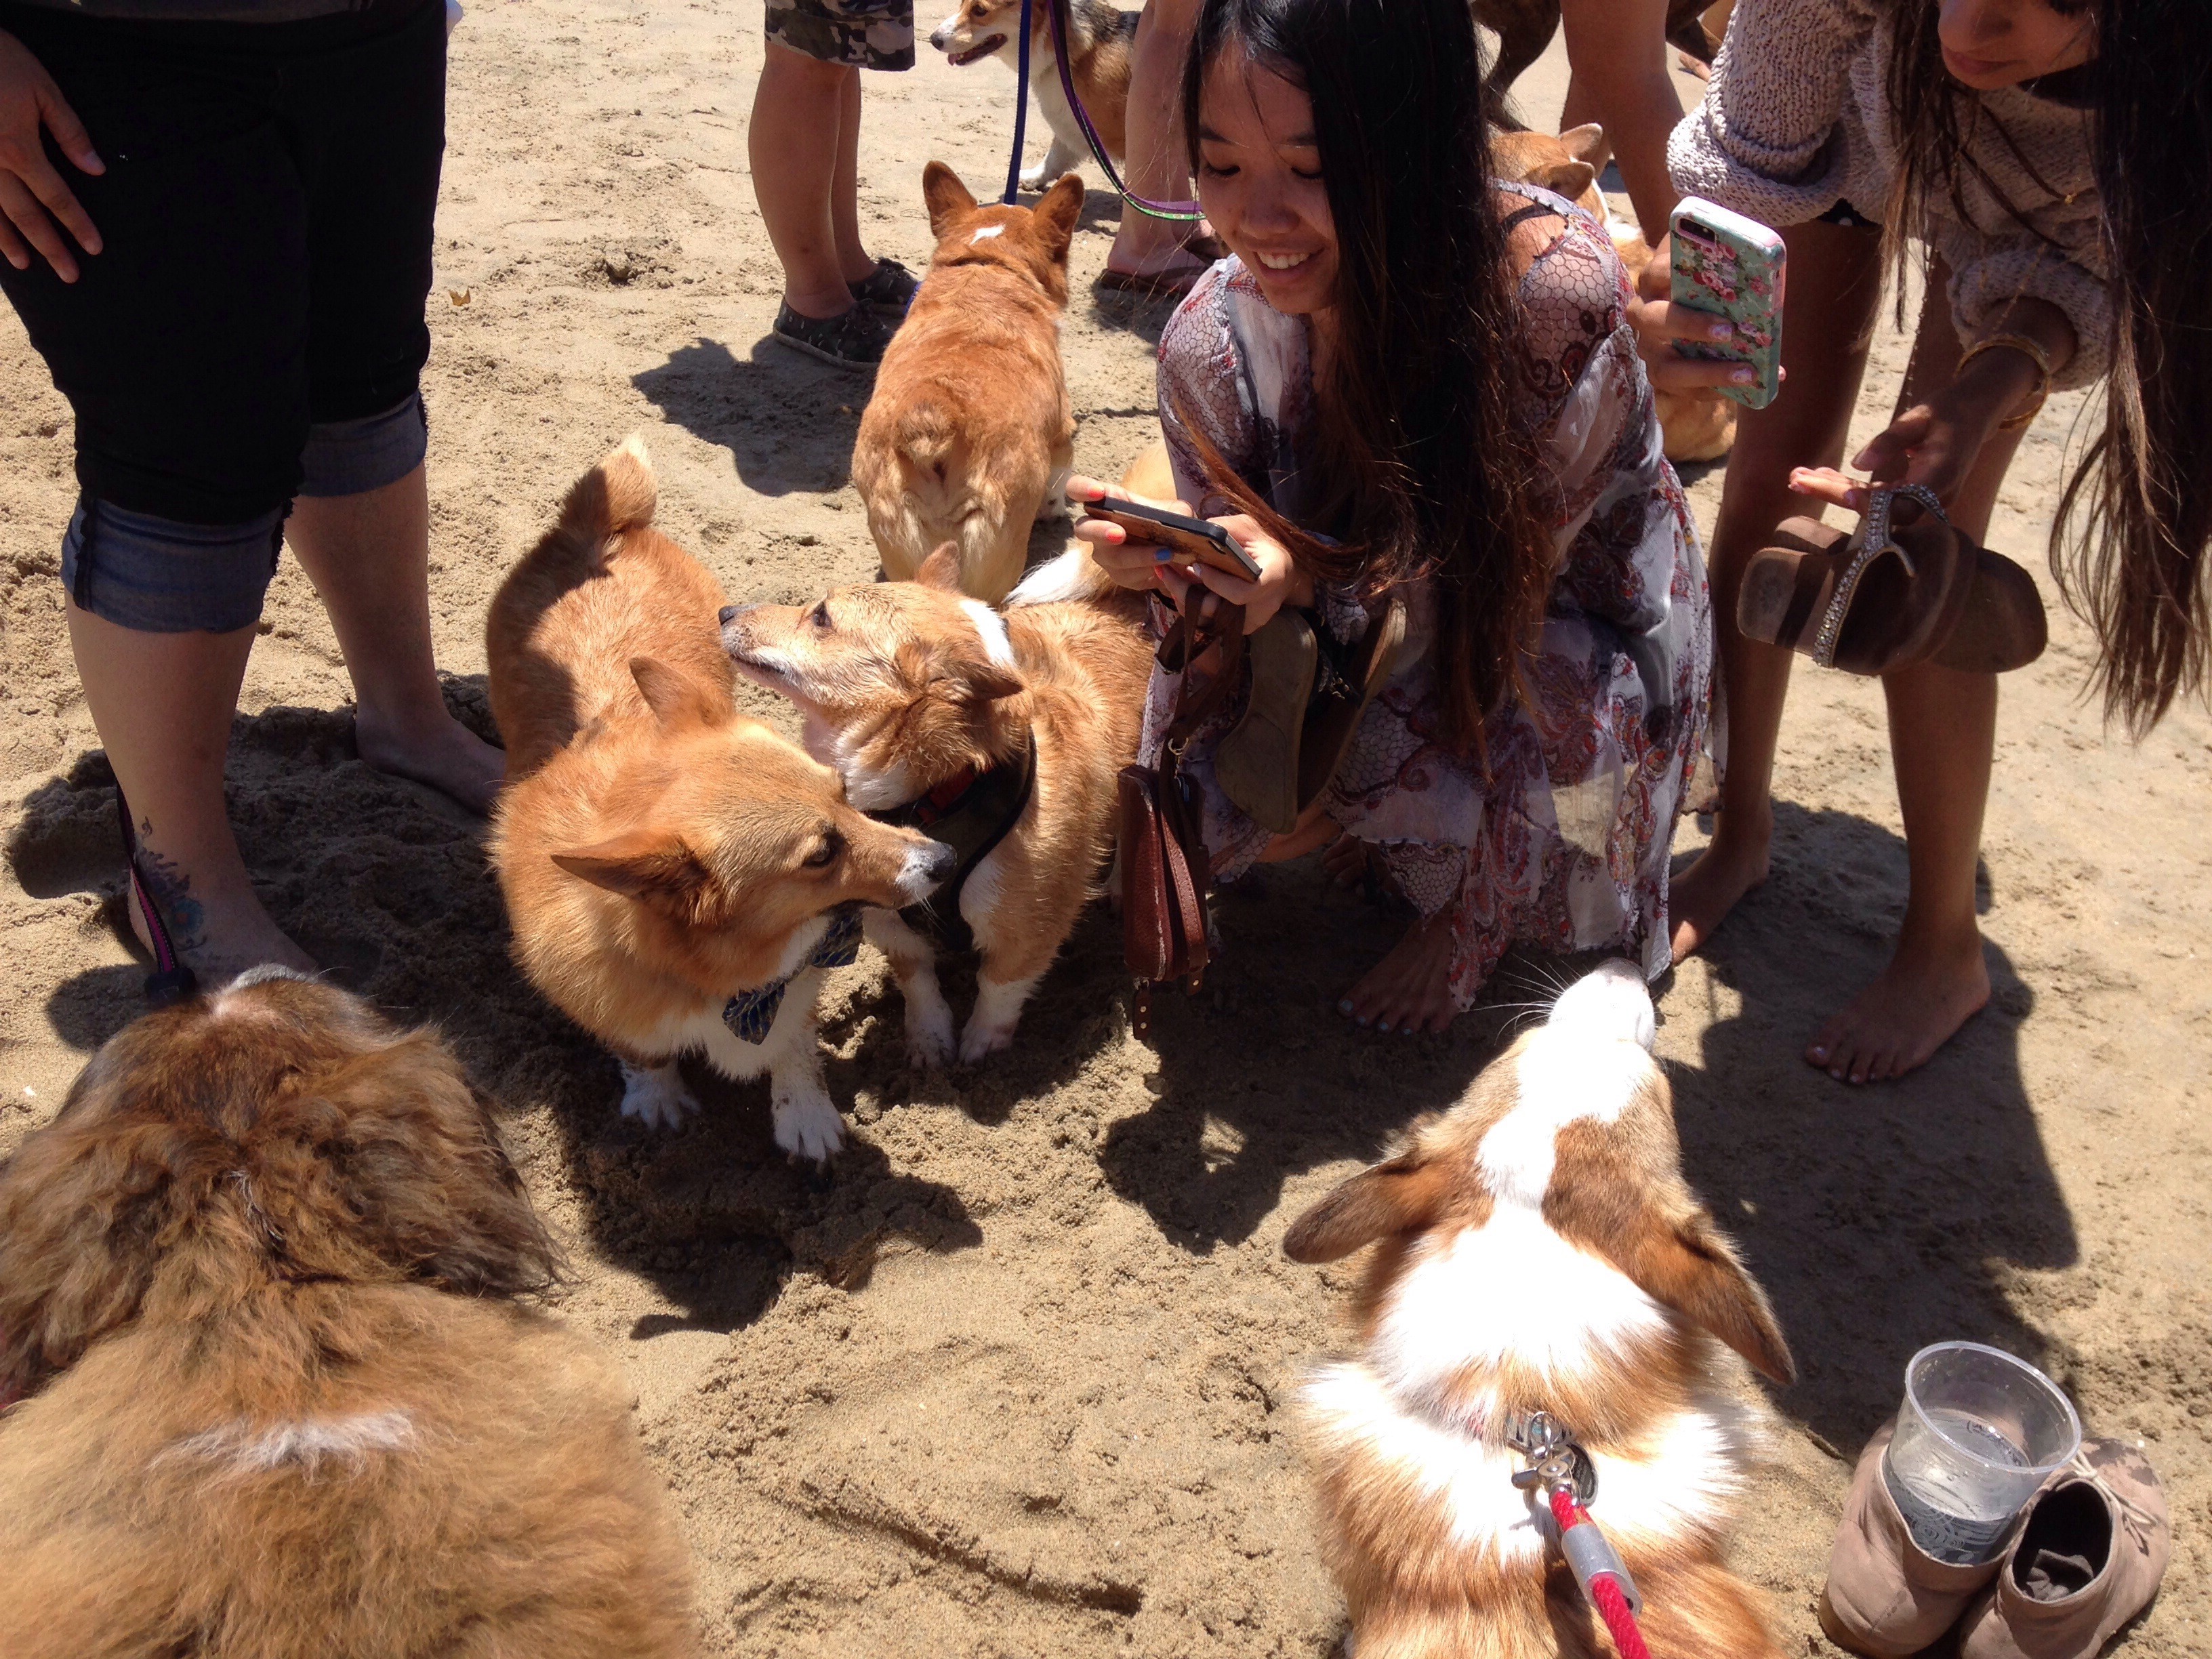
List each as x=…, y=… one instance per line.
x=729, y=614
x=939, y=861
x=936, y=37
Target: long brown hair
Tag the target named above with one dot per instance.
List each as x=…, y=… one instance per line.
x=1423, y=471
x=2127, y=545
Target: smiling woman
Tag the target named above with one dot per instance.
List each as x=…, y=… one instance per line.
x=1410, y=387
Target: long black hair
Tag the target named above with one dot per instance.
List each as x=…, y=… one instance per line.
x=2129, y=544
x=1422, y=471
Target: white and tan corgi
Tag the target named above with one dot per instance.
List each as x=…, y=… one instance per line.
x=927, y=701
x=676, y=875
x=969, y=427
x=1100, y=39
x=1537, y=1249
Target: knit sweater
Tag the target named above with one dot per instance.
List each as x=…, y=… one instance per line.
x=1796, y=119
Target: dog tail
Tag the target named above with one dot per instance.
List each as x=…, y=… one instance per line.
x=925, y=439
x=1073, y=576
x=617, y=496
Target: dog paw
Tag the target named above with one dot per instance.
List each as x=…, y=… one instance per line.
x=1038, y=176
x=656, y=1097
x=807, y=1126
x=982, y=1039
x=929, y=1038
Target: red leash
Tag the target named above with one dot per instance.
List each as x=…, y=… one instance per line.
x=1599, y=1571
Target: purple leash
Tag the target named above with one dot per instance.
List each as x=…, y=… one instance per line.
x=1057, y=10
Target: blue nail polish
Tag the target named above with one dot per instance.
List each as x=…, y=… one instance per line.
x=1162, y=555
x=1383, y=1029
x=1344, y=1006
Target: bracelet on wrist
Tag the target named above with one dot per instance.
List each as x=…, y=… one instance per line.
x=2033, y=351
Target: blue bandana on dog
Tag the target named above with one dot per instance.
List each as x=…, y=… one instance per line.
x=750, y=1013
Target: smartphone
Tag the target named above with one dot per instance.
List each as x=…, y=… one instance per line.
x=1732, y=266
x=1194, y=538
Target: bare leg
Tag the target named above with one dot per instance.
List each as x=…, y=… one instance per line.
x=796, y=142
x=1835, y=287
x=1942, y=736
x=1157, y=165
x=854, y=260
x=370, y=557
x=162, y=703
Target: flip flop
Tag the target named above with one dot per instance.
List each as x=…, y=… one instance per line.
x=1881, y=598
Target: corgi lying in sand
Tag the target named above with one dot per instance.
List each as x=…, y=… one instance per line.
x=257, y=1281
x=1696, y=427
x=1538, y=1250
x=1100, y=39
x=969, y=427
x=1004, y=733
x=677, y=876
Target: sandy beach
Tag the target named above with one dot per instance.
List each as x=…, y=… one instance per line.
x=1017, y=1380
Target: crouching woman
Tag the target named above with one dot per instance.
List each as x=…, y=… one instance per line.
x=1411, y=382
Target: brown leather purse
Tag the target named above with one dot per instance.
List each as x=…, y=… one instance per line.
x=1164, y=862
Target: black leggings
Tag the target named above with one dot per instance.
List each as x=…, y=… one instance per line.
x=267, y=221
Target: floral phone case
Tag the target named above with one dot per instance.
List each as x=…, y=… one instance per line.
x=1723, y=262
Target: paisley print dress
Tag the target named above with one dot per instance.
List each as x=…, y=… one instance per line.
x=1563, y=843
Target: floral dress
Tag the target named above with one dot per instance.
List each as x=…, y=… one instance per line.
x=1565, y=843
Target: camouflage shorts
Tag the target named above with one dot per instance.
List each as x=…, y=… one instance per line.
x=877, y=34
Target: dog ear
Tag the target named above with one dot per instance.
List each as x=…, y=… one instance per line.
x=675, y=697
x=1588, y=142
x=945, y=195
x=988, y=681
x=83, y=1207
x=1570, y=179
x=941, y=569
x=1401, y=1196
x=1665, y=1241
x=641, y=864
x=1056, y=213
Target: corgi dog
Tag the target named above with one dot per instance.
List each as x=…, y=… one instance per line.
x=1694, y=426
x=924, y=699
x=970, y=426
x=258, y=1288
x=676, y=875
x=1537, y=1249
x=1100, y=40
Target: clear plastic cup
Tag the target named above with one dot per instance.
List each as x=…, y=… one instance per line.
x=1979, y=1432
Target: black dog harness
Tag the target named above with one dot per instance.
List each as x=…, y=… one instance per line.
x=971, y=812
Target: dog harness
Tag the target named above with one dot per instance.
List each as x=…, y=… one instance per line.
x=750, y=1013
x=971, y=812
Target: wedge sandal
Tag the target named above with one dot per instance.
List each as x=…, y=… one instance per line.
x=1887, y=596
x=1279, y=756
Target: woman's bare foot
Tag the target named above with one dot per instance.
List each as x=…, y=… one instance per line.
x=448, y=757
x=1410, y=989
x=218, y=927
x=1731, y=864
x=1898, y=1023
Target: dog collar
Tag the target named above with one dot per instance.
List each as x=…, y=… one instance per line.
x=971, y=812
x=750, y=1013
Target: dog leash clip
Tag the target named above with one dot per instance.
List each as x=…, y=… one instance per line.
x=1556, y=1463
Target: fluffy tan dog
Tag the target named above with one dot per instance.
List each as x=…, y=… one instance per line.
x=256, y=1278
x=935, y=706
x=677, y=876
x=1537, y=1249
x=1101, y=40
x=969, y=427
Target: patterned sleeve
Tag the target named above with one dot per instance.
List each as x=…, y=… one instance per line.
x=1585, y=397
x=1200, y=383
x=1766, y=140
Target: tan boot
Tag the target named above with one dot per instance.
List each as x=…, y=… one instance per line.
x=1886, y=1597
x=2086, y=1558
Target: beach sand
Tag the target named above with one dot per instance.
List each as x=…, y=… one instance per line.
x=1016, y=1382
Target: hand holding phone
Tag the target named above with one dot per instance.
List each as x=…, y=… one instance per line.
x=1195, y=540
x=1733, y=267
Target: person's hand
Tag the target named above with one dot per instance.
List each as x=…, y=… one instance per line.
x=1280, y=583
x=1935, y=442
x=1659, y=322
x=33, y=195
x=1130, y=561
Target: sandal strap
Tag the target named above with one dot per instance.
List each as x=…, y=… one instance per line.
x=1873, y=540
